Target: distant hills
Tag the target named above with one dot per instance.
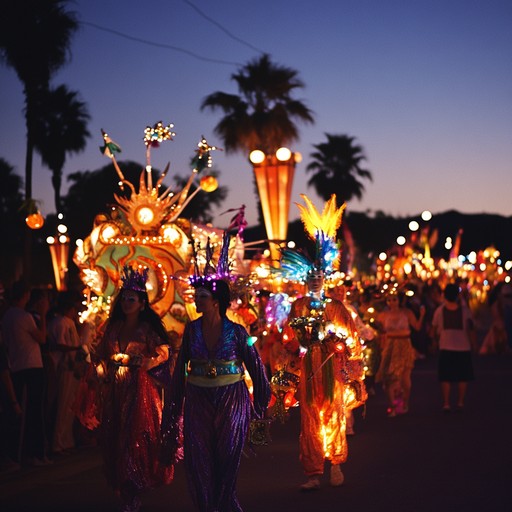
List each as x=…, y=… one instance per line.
x=375, y=233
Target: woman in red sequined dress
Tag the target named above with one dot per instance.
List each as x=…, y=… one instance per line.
x=134, y=342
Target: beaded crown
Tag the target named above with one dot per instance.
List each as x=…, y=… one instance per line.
x=133, y=279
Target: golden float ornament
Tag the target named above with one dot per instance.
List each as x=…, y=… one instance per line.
x=209, y=183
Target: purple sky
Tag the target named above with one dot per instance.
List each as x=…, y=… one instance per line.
x=425, y=86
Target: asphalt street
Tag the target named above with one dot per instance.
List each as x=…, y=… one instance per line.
x=423, y=461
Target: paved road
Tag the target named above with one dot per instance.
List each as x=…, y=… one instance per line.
x=425, y=461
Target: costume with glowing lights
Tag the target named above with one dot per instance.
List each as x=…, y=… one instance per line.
x=331, y=367
x=210, y=396
x=132, y=405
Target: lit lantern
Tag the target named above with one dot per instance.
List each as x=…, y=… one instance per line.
x=121, y=358
x=290, y=400
x=274, y=177
x=59, y=251
x=283, y=385
x=35, y=220
x=208, y=183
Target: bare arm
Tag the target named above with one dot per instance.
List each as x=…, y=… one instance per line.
x=38, y=332
x=414, y=322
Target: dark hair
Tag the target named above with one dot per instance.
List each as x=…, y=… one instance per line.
x=148, y=315
x=36, y=294
x=19, y=289
x=220, y=292
x=66, y=300
x=400, y=296
x=451, y=292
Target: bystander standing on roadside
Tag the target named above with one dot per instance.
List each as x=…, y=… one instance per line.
x=23, y=338
x=454, y=329
x=64, y=338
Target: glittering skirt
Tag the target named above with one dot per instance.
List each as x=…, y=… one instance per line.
x=397, y=359
x=130, y=432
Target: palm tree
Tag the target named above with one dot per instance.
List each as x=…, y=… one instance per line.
x=336, y=166
x=10, y=187
x=263, y=115
x=62, y=129
x=11, y=223
x=34, y=41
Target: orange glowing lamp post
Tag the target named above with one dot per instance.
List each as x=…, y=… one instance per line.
x=274, y=178
x=59, y=251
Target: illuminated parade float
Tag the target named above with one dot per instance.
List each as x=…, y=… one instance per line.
x=145, y=229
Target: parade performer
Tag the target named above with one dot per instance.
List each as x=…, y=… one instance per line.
x=134, y=343
x=209, y=391
x=331, y=367
x=397, y=352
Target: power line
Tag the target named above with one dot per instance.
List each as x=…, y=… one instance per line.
x=160, y=45
x=225, y=30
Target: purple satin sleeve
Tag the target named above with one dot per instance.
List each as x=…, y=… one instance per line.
x=256, y=369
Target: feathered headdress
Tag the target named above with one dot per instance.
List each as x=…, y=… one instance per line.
x=133, y=279
x=322, y=228
x=328, y=221
x=211, y=272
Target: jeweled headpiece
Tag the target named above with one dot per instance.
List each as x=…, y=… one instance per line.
x=133, y=279
x=210, y=270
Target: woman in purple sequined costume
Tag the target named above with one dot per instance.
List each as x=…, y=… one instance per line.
x=134, y=342
x=209, y=390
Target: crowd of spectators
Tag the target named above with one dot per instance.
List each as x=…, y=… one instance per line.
x=41, y=364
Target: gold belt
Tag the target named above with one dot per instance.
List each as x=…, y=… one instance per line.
x=214, y=368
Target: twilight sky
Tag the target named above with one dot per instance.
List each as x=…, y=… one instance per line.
x=425, y=87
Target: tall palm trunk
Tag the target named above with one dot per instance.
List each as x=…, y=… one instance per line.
x=30, y=114
x=57, y=183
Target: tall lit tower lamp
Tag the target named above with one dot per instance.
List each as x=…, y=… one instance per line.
x=274, y=178
x=59, y=251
